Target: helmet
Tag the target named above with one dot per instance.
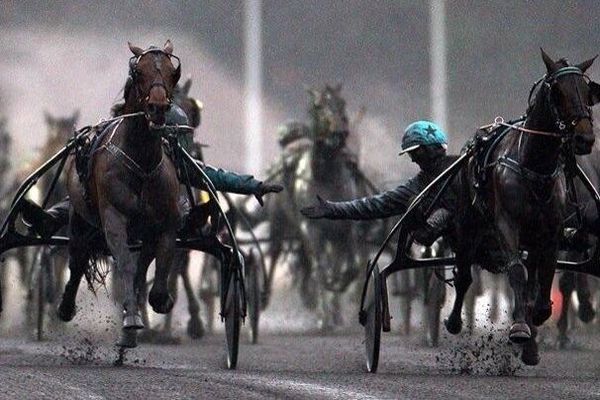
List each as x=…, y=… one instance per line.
x=422, y=133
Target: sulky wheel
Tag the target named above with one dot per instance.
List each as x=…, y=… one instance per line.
x=253, y=297
x=373, y=315
x=233, y=319
x=40, y=302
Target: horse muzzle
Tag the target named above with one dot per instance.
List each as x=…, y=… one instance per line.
x=156, y=114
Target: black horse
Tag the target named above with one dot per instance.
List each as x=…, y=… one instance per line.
x=513, y=222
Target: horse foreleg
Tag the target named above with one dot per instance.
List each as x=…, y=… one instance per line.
x=141, y=288
x=172, y=288
x=78, y=263
x=520, y=331
x=115, y=231
x=159, y=298
x=462, y=282
x=542, y=309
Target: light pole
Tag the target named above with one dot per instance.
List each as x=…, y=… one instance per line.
x=253, y=85
x=438, y=79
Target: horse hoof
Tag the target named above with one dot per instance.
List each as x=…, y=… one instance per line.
x=530, y=358
x=530, y=354
x=132, y=322
x=541, y=314
x=161, y=303
x=128, y=339
x=195, y=328
x=586, y=312
x=66, y=312
x=519, y=333
x=453, y=326
x=564, y=343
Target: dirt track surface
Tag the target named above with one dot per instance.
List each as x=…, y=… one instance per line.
x=296, y=366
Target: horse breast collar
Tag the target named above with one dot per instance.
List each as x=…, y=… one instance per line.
x=128, y=162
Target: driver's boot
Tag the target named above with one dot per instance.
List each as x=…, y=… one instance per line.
x=45, y=222
x=433, y=228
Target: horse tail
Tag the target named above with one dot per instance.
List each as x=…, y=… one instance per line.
x=97, y=269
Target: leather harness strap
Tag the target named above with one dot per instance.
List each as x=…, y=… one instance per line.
x=129, y=162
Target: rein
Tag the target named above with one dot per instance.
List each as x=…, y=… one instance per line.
x=499, y=121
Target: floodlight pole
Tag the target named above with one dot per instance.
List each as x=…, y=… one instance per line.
x=253, y=85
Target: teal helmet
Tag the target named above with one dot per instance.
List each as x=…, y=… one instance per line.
x=422, y=133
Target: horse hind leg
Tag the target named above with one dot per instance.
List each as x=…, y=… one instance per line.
x=586, y=312
x=566, y=284
x=195, y=327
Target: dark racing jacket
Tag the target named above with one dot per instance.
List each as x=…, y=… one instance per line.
x=223, y=180
x=395, y=201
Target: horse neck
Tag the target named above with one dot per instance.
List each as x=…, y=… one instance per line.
x=539, y=153
x=325, y=162
x=141, y=144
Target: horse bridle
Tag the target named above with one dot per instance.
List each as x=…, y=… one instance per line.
x=564, y=124
x=133, y=74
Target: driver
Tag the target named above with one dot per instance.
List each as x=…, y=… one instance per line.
x=48, y=222
x=426, y=145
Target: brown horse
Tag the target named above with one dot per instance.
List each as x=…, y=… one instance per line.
x=522, y=205
x=132, y=193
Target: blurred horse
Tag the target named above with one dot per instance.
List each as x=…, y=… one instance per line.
x=5, y=144
x=336, y=252
x=59, y=131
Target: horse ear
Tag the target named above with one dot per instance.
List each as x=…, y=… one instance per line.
x=550, y=65
x=586, y=64
x=48, y=118
x=168, y=48
x=135, y=50
x=594, y=93
x=75, y=116
x=185, y=88
x=314, y=93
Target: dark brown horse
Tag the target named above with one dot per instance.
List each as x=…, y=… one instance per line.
x=133, y=192
x=522, y=206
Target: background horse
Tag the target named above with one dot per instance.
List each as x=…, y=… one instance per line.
x=522, y=207
x=59, y=131
x=132, y=193
x=335, y=249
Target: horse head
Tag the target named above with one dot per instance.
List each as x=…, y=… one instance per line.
x=569, y=95
x=59, y=130
x=153, y=77
x=329, y=119
x=5, y=144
